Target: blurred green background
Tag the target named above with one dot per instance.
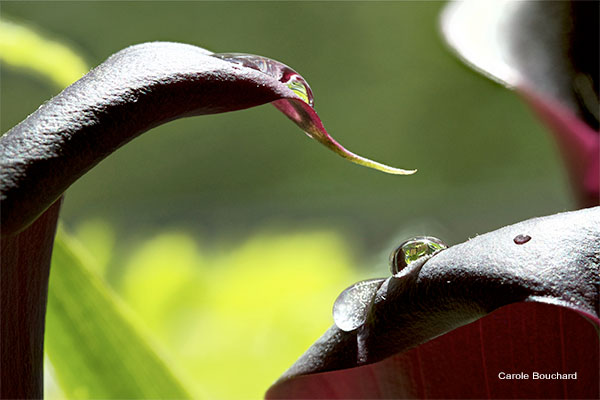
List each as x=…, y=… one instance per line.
x=229, y=236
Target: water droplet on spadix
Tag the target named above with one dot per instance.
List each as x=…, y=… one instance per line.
x=412, y=250
x=303, y=114
x=351, y=308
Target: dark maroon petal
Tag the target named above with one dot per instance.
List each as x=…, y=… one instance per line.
x=559, y=265
x=24, y=290
x=308, y=120
x=134, y=90
x=300, y=109
x=467, y=363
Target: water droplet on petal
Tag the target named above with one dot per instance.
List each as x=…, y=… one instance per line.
x=522, y=239
x=351, y=308
x=277, y=70
x=412, y=250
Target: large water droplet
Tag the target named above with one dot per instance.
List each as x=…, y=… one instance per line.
x=412, y=250
x=277, y=70
x=351, y=308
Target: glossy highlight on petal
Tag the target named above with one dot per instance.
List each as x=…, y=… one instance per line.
x=302, y=112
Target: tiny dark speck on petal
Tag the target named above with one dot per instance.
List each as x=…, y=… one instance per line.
x=522, y=239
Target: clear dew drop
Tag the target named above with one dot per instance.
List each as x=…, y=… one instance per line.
x=351, y=308
x=412, y=250
x=277, y=70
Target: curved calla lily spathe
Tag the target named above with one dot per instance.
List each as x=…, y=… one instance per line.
x=133, y=91
x=493, y=279
x=479, y=319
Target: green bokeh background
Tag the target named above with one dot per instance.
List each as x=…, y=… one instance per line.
x=385, y=86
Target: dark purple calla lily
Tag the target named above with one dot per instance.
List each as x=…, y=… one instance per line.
x=531, y=288
x=498, y=273
x=134, y=90
x=548, y=52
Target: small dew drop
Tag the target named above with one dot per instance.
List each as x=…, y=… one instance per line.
x=412, y=250
x=522, y=239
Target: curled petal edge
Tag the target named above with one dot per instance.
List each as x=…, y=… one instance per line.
x=457, y=286
x=134, y=90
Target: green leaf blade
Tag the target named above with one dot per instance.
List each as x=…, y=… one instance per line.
x=93, y=343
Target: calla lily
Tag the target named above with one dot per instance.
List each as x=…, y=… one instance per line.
x=515, y=301
x=134, y=90
x=548, y=53
x=540, y=276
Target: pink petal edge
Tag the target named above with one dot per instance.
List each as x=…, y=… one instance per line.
x=577, y=141
x=308, y=120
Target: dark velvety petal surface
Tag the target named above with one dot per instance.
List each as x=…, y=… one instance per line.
x=24, y=288
x=558, y=265
x=474, y=361
x=134, y=90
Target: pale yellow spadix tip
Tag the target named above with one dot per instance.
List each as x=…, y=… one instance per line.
x=375, y=165
x=337, y=148
x=305, y=116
